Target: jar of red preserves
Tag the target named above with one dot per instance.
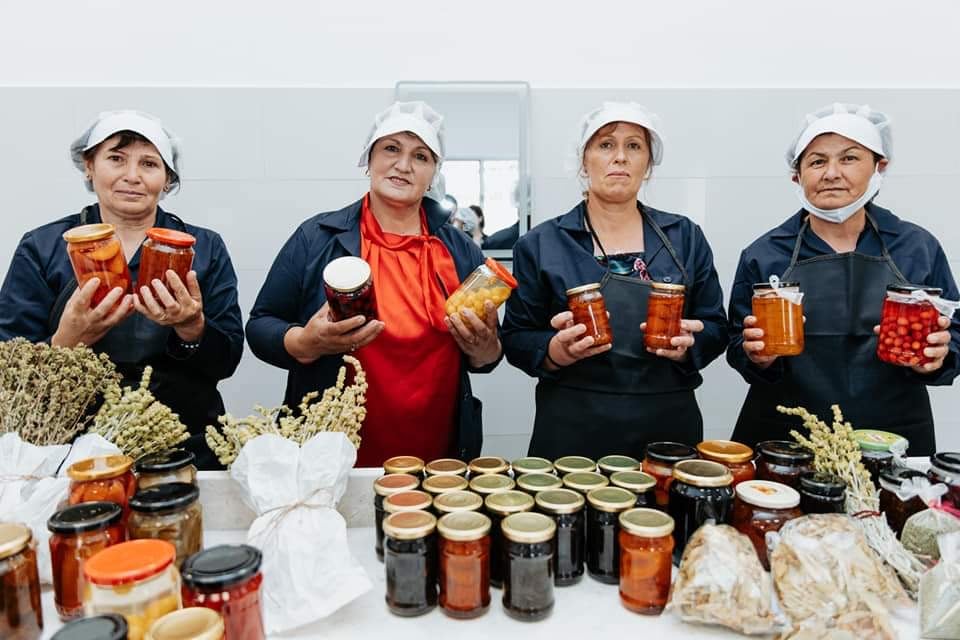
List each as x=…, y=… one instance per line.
x=658, y=462
x=780, y=317
x=905, y=323
x=589, y=309
x=387, y=485
x=165, y=250
x=464, y=575
x=227, y=579
x=783, y=461
x=104, y=478
x=733, y=455
x=646, y=560
x=761, y=506
x=664, y=312
x=20, y=615
x=95, y=252
x=945, y=468
x=348, y=284
x=899, y=498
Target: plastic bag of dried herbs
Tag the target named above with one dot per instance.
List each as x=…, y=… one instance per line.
x=922, y=529
x=940, y=592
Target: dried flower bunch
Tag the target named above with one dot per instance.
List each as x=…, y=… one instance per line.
x=340, y=408
x=46, y=393
x=136, y=422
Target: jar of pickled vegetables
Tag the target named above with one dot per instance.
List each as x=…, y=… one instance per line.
x=168, y=512
x=609, y=465
x=95, y=252
x=779, y=312
x=410, y=559
x=464, y=576
x=106, y=627
x=761, y=506
x=348, y=284
x=165, y=250
x=227, y=579
x=20, y=615
x=658, y=461
x=77, y=533
x=640, y=484
x=488, y=464
x=176, y=465
x=384, y=486
x=445, y=467
x=906, y=320
x=566, y=507
x=533, y=483
x=899, y=497
x=664, y=313
x=136, y=579
x=104, y=478
x=646, y=560
x=489, y=281
x=572, y=464
x=195, y=623
x=733, y=455
x=531, y=464
x=404, y=464
x=589, y=309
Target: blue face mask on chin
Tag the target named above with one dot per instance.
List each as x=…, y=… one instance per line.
x=840, y=215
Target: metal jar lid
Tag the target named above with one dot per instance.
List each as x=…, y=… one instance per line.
x=529, y=528
x=785, y=452
x=491, y=483
x=532, y=464
x=636, y=481
x=611, y=499
x=446, y=467
x=585, y=480
x=572, y=464
x=14, y=538
x=164, y=461
x=346, y=274
x=702, y=473
x=409, y=525
x=84, y=517
x=89, y=232
x=560, y=501
x=507, y=502
x=766, y=286
x=893, y=478
x=767, y=495
x=412, y=500
x=646, y=523
x=443, y=484
x=947, y=461
x=457, y=501
x=539, y=482
x=726, y=451
x=464, y=526
x=403, y=464
x=221, y=567
x=392, y=483
x=664, y=287
x=908, y=289
x=488, y=464
x=110, y=626
x=875, y=440
x=821, y=483
x=164, y=497
x=99, y=468
x=583, y=289
x=669, y=452
x=612, y=464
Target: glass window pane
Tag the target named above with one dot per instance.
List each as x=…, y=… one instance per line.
x=500, y=180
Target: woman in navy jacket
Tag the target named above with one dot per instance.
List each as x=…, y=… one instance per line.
x=613, y=399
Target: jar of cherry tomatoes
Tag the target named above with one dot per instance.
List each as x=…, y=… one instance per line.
x=348, y=284
x=104, y=478
x=733, y=455
x=906, y=321
x=165, y=250
x=227, y=579
x=664, y=312
x=95, y=252
x=589, y=309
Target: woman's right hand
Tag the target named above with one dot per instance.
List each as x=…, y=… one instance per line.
x=566, y=346
x=81, y=323
x=753, y=343
x=323, y=337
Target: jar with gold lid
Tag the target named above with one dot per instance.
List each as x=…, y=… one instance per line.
x=410, y=560
x=658, y=461
x=103, y=479
x=464, y=564
x=646, y=559
x=762, y=506
x=701, y=492
x=585, y=481
x=445, y=467
x=491, y=483
x=404, y=464
x=588, y=307
x=488, y=464
x=195, y=623
x=566, y=507
x=733, y=455
x=640, y=484
x=387, y=485
x=438, y=485
x=528, y=568
x=21, y=617
x=604, y=507
x=664, y=313
x=531, y=464
x=535, y=482
x=498, y=506
x=573, y=464
x=176, y=465
x=410, y=500
x=457, y=502
x=95, y=252
x=609, y=465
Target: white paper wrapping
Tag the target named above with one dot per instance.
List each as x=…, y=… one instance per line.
x=308, y=570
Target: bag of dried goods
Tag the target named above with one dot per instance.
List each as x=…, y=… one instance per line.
x=940, y=592
x=922, y=529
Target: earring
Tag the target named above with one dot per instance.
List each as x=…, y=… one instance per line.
x=167, y=188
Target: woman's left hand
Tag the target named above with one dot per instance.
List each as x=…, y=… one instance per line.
x=682, y=343
x=477, y=338
x=939, y=342
x=180, y=306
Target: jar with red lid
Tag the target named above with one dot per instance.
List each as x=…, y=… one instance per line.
x=658, y=462
x=761, y=506
x=646, y=560
x=898, y=498
x=464, y=552
x=227, y=579
x=348, y=284
x=77, y=533
x=21, y=617
x=733, y=455
x=490, y=281
x=165, y=250
x=945, y=468
x=664, y=313
x=95, y=252
x=779, y=312
x=589, y=309
x=783, y=461
x=103, y=478
x=387, y=485
x=905, y=322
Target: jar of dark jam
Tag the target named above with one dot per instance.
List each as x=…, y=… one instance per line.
x=761, y=506
x=585, y=481
x=446, y=467
x=20, y=615
x=658, y=462
x=227, y=579
x=488, y=464
x=640, y=484
x=945, y=468
x=566, y=508
x=646, y=560
x=533, y=483
x=608, y=465
x=109, y=626
x=176, y=465
x=733, y=455
x=464, y=564
x=348, y=284
x=877, y=450
x=404, y=464
x=387, y=485
x=701, y=492
x=491, y=483
x=498, y=506
x=438, y=485
x=164, y=250
x=457, y=502
x=604, y=507
x=531, y=464
x=410, y=560
x=589, y=309
x=898, y=509
x=822, y=492
x=528, y=566
x=783, y=461
x=573, y=464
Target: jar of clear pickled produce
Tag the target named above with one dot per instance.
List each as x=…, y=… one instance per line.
x=170, y=512
x=664, y=313
x=778, y=307
x=489, y=281
x=589, y=309
x=348, y=284
x=95, y=252
x=165, y=250
x=176, y=465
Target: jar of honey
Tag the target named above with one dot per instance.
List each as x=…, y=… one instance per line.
x=658, y=461
x=761, y=506
x=783, y=461
x=589, y=309
x=664, y=313
x=195, y=623
x=646, y=560
x=165, y=250
x=566, y=509
x=348, y=284
x=528, y=566
x=640, y=484
x=733, y=455
x=104, y=478
x=531, y=464
x=404, y=464
x=489, y=281
x=609, y=465
x=20, y=615
x=95, y=252
x=572, y=464
x=497, y=507
x=488, y=464
x=410, y=559
x=227, y=579
x=604, y=507
x=464, y=564
x=176, y=465
x=106, y=627
x=945, y=468
x=905, y=322
x=445, y=467
x=780, y=318
x=534, y=483
x=387, y=485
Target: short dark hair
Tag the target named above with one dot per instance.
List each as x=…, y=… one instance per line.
x=126, y=139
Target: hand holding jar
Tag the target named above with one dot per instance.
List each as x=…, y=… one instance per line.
x=936, y=351
x=173, y=304
x=82, y=323
x=914, y=327
x=322, y=336
x=477, y=337
x=570, y=343
x=681, y=343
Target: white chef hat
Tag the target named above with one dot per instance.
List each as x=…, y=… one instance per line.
x=860, y=123
x=622, y=112
x=109, y=123
x=417, y=117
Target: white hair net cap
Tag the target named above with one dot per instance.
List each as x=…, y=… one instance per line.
x=860, y=123
x=622, y=112
x=417, y=117
x=109, y=123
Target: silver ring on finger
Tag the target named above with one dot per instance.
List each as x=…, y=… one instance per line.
x=353, y=347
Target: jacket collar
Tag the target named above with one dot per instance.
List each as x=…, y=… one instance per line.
x=887, y=222
x=573, y=220
x=345, y=223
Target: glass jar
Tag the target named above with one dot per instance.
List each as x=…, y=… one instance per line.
x=664, y=312
x=106, y=627
x=170, y=512
x=176, y=465
x=531, y=464
x=497, y=507
x=573, y=464
x=195, y=623
x=905, y=323
x=585, y=481
x=20, y=615
x=533, y=483
x=95, y=252
x=566, y=508
x=410, y=559
x=464, y=564
x=412, y=500
x=348, y=285
x=945, y=468
x=491, y=483
x=489, y=281
x=387, y=485
x=783, y=461
x=457, y=502
x=733, y=455
x=609, y=465
x=646, y=560
x=896, y=509
x=822, y=492
x=404, y=464
x=589, y=309
x=604, y=507
x=163, y=250
x=761, y=506
x=445, y=467
x=136, y=579
x=781, y=319
x=640, y=484
x=658, y=461
x=876, y=450
x=528, y=569
x=227, y=579
x=77, y=533
x=701, y=492
x=103, y=479
x=438, y=485
x=488, y=464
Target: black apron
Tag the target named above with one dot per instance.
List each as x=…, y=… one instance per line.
x=843, y=299
x=618, y=401
x=137, y=342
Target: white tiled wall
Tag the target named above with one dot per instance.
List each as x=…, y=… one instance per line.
x=259, y=161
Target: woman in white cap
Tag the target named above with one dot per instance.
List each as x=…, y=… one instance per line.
x=190, y=332
x=844, y=251
x=415, y=357
x=603, y=400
